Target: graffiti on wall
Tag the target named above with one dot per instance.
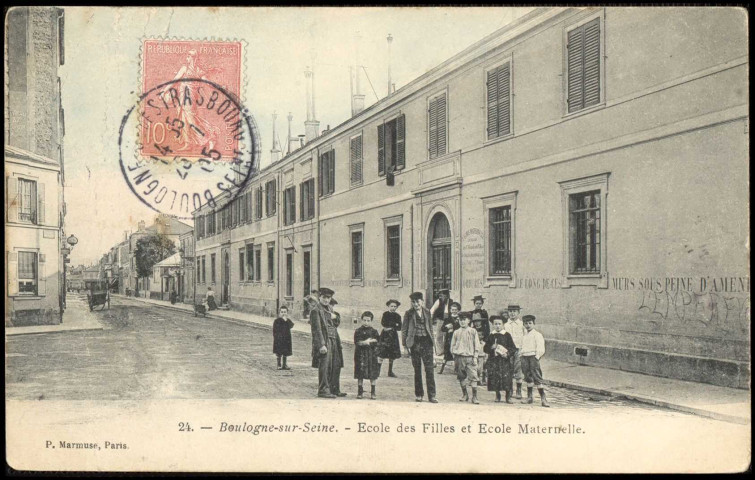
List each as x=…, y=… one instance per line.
x=715, y=302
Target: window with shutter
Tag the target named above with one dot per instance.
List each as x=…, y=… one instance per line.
x=381, y=149
x=499, y=101
x=355, y=160
x=12, y=199
x=400, y=142
x=332, y=172
x=437, y=126
x=259, y=202
x=250, y=261
x=583, y=66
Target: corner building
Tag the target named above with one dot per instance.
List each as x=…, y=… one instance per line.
x=586, y=164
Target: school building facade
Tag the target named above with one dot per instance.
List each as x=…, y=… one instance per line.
x=588, y=164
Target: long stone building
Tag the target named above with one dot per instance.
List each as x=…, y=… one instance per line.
x=34, y=173
x=589, y=165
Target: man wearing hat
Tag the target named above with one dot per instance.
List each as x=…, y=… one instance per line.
x=417, y=336
x=327, y=354
x=515, y=327
x=479, y=321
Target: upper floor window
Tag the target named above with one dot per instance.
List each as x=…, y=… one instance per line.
x=392, y=145
x=289, y=206
x=258, y=201
x=211, y=223
x=307, y=199
x=26, y=200
x=437, y=126
x=498, y=87
x=583, y=66
x=327, y=177
x=270, y=198
x=355, y=160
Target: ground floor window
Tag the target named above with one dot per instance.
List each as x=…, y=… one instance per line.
x=289, y=273
x=27, y=273
x=241, y=265
x=250, y=261
x=271, y=263
x=212, y=267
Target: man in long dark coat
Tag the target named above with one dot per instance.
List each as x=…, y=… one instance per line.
x=417, y=336
x=327, y=354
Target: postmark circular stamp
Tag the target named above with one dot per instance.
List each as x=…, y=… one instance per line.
x=185, y=144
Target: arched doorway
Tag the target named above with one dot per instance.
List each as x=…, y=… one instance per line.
x=439, y=254
x=226, y=277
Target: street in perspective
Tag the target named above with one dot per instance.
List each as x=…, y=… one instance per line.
x=358, y=226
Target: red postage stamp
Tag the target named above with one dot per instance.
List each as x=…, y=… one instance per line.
x=181, y=75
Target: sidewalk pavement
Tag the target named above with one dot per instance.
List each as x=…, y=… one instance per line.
x=719, y=403
x=76, y=317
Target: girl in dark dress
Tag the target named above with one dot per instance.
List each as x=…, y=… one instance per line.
x=450, y=325
x=389, y=346
x=282, y=337
x=501, y=352
x=366, y=355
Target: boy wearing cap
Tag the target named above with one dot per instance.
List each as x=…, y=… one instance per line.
x=482, y=325
x=515, y=327
x=533, y=348
x=465, y=346
x=327, y=354
x=417, y=336
x=440, y=311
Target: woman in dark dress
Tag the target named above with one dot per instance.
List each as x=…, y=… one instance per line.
x=389, y=346
x=501, y=352
x=282, y=337
x=366, y=355
x=450, y=325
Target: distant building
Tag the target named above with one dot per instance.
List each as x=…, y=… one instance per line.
x=165, y=275
x=75, y=278
x=34, y=173
x=186, y=276
x=588, y=164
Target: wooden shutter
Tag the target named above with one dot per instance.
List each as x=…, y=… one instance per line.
x=273, y=195
x=12, y=269
x=40, y=203
x=504, y=99
x=311, y=199
x=355, y=153
x=575, y=69
x=381, y=149
x=320, y=176
x=442, y=125
x=301, y=201
x=492, y=103
x=332, y=171
x=400, y=142
x=591, y=63
x=432, y=123
x=41, y=278
x=12, y=195
x=292, y=201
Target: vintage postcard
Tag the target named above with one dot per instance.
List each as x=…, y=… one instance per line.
x=377, y=240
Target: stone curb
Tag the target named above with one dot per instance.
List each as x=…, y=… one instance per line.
x=570, y=385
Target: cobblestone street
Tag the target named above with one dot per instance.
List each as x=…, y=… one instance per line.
x=145, y=352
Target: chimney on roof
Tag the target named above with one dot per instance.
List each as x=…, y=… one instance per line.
x=390, y=82
x=275, y=153
x=289, y=138
x=357, y=98
x=311, y=126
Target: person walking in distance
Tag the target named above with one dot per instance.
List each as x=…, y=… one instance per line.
x=282, y=337
x=515, y=328
x=327, y=354
x=417, y=336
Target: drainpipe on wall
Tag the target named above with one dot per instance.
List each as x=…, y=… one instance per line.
x=411, y=250
x=319, y=247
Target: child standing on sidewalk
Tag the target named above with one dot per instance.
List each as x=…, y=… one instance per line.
x=389, y=346
x=501, y=352
x=533, y=348
x=282, y=337
x=366, y=355
x=449, y=327
x=465, y=346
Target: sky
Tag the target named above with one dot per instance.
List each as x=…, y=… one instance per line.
x=101, y=75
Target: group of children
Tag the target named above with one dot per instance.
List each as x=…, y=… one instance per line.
x=507, y=354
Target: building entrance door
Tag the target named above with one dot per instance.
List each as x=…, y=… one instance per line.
x=225, y=277
x=440, y=254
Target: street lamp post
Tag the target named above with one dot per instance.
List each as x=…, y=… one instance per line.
x=71, y=241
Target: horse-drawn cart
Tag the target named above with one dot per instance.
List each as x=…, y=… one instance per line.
x=98, y=294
